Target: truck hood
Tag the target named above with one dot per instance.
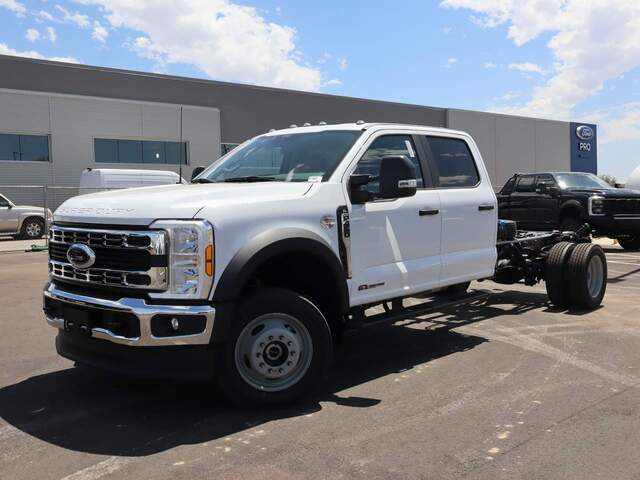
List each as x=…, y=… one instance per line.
x=608, y=192
x=142, y=206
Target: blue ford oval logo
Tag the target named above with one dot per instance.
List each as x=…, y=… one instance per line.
x=81, y=256
x=584, y=132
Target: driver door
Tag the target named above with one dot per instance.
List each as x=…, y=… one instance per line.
x=395, y=243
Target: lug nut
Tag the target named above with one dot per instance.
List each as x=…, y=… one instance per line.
x=270, y=370
x=261, y=365
x=270, y=337
x=289, y=344
x=280, y=370
x=293, y=352
x=289, y=364
x=258, y=354
x=280, y=337
x=261, y=344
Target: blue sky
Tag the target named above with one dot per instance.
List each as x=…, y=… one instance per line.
x=564, y=59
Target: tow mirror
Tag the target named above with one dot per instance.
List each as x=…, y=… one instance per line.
x=397, y=177
x=542, y=188
x=357, y=180
x=196, y=171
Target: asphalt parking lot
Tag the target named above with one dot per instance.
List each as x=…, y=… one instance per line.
x=507, y=388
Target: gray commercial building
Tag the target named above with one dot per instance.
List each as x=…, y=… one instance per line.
x=56, y=119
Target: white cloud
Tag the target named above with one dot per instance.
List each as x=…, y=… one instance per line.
x=592, y=42
x=507, y=97
x=343, y=63
x=618, y=123
x=52, y=36
x=16, y=7
x=447, y=30
x=489, y=65
x=6, y=50
x=451, y=61
x=99, y=32
x=46, y=16
x=32, y=35
x=333, y=81
x=75, y=17
x=223, y=39
x=527, y=67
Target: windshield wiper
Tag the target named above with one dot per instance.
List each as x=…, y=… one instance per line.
x=249, y=179
x=202, y=180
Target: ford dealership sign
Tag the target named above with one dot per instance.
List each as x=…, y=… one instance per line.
x=584, y=132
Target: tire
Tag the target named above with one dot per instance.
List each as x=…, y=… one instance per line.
x=587, y=276
x=32, y=228
x=630, y=243
x=570, y=224
x=555, y=273
x=257, y=365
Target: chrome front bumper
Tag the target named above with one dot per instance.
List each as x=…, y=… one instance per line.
x=142, y=310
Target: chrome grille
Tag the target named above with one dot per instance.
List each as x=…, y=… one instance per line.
x=624, y=206
x=131, y=259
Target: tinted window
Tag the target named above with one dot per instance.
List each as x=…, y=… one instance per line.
x=139, y=151
x=28, y=148
x=547, y=179
x=381, y=147
x=293, y=157
x=525, y=184
x=455, y=164
x=508, y=186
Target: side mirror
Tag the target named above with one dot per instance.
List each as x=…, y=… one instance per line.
x=397, y=177
x=197, y=171
x=542, y=188
x=356, y=181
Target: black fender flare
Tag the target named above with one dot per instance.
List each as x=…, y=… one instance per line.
x=262, y=248
x=572, y=205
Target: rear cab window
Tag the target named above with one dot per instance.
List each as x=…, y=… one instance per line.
x=453, y=162
x=526, y=184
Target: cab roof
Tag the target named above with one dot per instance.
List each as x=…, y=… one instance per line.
x=358, y=126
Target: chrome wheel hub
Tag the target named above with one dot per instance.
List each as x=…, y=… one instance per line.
x=273, y=352
x=33, y=229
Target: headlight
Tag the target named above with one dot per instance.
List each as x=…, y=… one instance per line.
x=596, y=205
x=191, y=265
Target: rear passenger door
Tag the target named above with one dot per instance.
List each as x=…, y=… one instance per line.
x=546, y=204
x=523, y=201
x=468, y=209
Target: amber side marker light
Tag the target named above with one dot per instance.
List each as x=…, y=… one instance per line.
x=208, y=260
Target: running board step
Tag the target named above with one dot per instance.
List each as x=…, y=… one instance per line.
x=416, y=310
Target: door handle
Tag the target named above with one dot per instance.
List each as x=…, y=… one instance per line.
x=429, y=211
x=484, y=208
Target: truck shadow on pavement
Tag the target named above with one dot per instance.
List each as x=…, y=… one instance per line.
x=87, y=411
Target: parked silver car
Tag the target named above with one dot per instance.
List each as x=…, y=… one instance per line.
x=22, y=221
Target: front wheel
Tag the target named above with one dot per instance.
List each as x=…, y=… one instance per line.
x=32, y=228
x=279, y=349
x=630, y=243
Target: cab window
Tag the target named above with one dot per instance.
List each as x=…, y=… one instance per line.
x=3, y=202
x=454, y=162
x=384, y=146
x=526, y=184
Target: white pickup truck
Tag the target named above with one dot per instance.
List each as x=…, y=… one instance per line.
x=249, y=274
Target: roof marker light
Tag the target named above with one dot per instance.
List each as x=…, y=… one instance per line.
x=306, y=124
x=360, y=122
x=293, y=125
x=322, y=123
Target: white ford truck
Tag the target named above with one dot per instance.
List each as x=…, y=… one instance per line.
x=249, y=274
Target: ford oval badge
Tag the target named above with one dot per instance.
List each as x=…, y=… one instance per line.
x=584, y=132
x=81, y=256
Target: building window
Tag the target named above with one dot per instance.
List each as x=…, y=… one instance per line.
x=227, y=147
x=109, y=150
x=25, y=148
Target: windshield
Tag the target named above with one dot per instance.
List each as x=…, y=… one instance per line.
x=581, y=180
x=296, y=157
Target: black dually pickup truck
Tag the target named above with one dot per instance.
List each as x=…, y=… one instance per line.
x=565, y=201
